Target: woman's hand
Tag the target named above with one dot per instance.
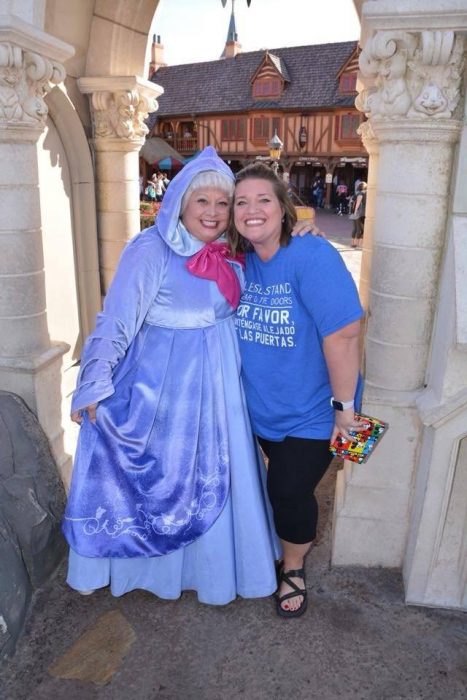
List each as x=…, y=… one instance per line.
x=344, y=422
x=77, y=416
x=305, y=226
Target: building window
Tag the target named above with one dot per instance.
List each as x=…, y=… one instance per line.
x=263, y=128
x=348, y=82
x=165, y=130
x=233, y=129
x=267, y=87
x=346, y=127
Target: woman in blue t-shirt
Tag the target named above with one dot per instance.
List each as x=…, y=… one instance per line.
x=298, y=325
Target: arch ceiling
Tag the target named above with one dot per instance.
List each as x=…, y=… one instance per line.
x=119, y=37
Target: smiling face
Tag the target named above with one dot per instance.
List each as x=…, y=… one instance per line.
x=258, y=214
x=206, y=213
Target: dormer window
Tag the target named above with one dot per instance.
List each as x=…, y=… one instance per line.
x=267, y=87
x=348, y=83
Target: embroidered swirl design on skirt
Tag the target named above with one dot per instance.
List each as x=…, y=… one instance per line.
x=143, y=524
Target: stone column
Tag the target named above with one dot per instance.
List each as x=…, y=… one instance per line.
x=119, y=106
x=372, y=146
x=29, y=363
x=411, y=95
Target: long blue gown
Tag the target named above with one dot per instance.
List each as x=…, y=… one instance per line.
x=167, y=491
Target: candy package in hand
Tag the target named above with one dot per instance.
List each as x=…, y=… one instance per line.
x=364, y=440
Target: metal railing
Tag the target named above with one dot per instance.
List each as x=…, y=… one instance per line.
x=182, y=144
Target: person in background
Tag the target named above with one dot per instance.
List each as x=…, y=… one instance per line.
x=358, y=216
x=318, y=192
x=298, y=325
x=159, y=188
x=167, y=492
x=341, y=193
x=150, y=191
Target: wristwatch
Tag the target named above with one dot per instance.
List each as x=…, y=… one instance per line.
x=341, y=405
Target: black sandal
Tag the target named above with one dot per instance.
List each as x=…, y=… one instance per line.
x=285, y=577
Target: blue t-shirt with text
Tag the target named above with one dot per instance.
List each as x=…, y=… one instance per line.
x=290, y=303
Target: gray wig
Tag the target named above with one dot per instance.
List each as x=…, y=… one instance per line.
x=208, y=178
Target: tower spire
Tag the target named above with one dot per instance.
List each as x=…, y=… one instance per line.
x=232, y=33
x=232, y=47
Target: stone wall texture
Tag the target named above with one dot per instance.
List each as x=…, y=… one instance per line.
x=32, y=500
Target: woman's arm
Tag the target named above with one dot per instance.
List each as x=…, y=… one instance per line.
x=131, y=293
x=341, y=352
x=329, y=294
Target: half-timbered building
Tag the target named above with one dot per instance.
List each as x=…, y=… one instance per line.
x=304, y=94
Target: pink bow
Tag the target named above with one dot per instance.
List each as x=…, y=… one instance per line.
x=210, y=263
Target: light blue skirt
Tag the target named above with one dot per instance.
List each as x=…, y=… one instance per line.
x=234, y=557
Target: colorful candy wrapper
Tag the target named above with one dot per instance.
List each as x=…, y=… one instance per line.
x=364, y=442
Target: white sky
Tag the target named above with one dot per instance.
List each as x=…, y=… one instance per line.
x=195, y=30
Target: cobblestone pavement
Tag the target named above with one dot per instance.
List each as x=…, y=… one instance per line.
x=357, y=641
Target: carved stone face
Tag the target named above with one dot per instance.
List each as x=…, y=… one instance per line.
x=431, y=99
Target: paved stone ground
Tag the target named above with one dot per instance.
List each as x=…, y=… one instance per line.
x=357, y=641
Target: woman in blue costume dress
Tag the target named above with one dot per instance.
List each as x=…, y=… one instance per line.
x=167, y=490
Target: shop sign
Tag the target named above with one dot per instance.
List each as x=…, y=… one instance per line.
x=346, y=159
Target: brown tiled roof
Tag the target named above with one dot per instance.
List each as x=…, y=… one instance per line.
x=280, y=65
x=224, y=85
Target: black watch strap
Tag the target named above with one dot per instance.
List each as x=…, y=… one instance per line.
x=341, y=405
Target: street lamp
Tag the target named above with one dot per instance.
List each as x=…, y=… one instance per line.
x=275, y=148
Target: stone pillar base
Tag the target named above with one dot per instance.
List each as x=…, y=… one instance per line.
x=435, y=566
x=372, y=505
x=38, y=379
x=362, y=540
